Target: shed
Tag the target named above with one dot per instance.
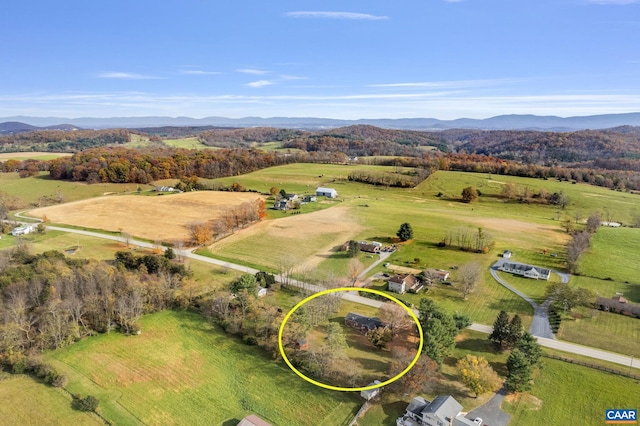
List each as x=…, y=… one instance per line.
x=371, y=393
x=326, y=192
x=253, y=420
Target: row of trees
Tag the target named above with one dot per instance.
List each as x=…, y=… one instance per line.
x=228, y=222
x=467, y=239
x=398, y=179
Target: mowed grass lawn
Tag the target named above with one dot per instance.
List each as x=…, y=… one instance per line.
x=182, y=370
x=568, y=394
x=604, y=330
x=28, y=402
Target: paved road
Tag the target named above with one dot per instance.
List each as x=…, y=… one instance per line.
x=353, y=296
x=490, y=412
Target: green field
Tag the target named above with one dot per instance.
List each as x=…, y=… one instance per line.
x=604, y=330
x=30, y=189
x=28, y=402
x=182, y=370
x=187, y=143
x=614, y=255
x=567, y=394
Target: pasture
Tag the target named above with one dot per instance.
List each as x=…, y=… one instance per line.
x=159, y=218
x=19, y=393
x=565, y=393
x=30, y=190
x=183, y=370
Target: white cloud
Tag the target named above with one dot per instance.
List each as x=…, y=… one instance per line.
x=252, y=71
x=199, y=72
x=127, y=76
x=292, y=77
x=616, y=2
x=336, y=15
x=446, y=84
x=260, y=83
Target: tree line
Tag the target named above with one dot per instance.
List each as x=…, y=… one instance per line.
x=63, y=141
x=232, y=219
x=48, y=301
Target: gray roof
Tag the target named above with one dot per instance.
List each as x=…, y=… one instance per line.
x=444, y=407
x=417, y=404
x=362, y=321
x=525, y=268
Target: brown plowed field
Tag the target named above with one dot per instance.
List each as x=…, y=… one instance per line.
x=153, y=217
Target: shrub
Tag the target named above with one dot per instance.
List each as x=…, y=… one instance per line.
x=90, y=403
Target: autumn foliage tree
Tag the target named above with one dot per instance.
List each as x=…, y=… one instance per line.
x=469, y=194
x=477, y=375
x=421, y=378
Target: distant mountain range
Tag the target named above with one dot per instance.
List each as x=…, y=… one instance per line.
x=8, y=127
x=501, y=122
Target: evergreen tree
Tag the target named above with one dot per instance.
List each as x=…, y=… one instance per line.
x=500, y=333
x=515, y=331
x=519, y=372
x=405, y=232
x=439, y=329
x=530, y=347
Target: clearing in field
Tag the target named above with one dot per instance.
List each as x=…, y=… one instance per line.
x=304, y=240
x=156, y=218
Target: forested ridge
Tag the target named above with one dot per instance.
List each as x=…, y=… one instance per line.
x=609, y=158
x=62, y=141
x=537, y=147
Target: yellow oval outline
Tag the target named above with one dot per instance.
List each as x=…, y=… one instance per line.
x=337, y=388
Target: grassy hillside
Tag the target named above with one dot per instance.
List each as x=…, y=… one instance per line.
x=30, y=189
x=20, y=393
x=566, y=394
x=182, y=370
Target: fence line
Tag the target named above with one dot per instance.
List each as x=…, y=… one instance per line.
x=595, y=366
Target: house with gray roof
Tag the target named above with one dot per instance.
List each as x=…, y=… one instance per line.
x=527, y=271
x=362, y=323
x=444, y=410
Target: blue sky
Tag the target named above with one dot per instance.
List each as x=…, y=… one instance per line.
x=337, y=59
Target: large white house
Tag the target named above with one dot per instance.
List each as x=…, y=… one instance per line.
x=23, y=230
x=326, y=192
x=527, y=271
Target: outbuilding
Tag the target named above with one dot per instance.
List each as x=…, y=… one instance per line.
x=326, y=192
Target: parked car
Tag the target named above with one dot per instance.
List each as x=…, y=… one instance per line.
x=477, y=421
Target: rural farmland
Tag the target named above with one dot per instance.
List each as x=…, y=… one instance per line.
x=158, y=218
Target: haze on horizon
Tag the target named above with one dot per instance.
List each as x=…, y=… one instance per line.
x=444, y=59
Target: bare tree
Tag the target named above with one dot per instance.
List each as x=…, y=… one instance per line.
x=469, y=274
x=395, y=317
x=355, y=269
